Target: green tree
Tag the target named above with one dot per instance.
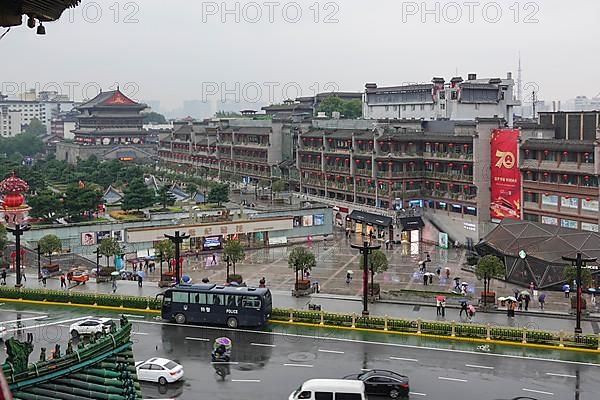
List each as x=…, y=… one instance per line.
x=49, y=244
x=347, y=108
x=165, y=197
x=137, y=196
x=78, y=200
x=235, y=251
x=489, y=267
x=35, y=128
x=47, y=205
x=570, y=274
x=154, y=118
x=165, y=250
x=219, y=194
x=109, y=247
x=278, y=186
x=227, y=114
x=378, y=263
x=3, y=238
x=24, y=144
x=301, y=259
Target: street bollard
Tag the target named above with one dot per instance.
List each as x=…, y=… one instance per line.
x=488, y=335
x=322, y=318
x=453, y=334
x=354, y=320
x=291, y=316
x=598, y=341
x=418, y=327
x=561, y=337
x=385, y=324
x=524, y=341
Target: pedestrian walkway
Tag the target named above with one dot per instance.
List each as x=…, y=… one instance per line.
x=353, y=304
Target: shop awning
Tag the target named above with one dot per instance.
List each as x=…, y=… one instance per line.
x=369, y=218
x=412, y=223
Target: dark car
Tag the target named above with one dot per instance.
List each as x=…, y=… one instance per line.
x=380, y=382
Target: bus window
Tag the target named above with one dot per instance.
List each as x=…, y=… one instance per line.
x=251, y=302
x=180, y=297
x=198, y=298
x=232, y=300
x=215, y=299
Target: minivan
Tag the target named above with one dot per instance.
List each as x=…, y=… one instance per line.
x=330, y=389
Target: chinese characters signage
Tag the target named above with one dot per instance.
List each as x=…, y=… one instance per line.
x=505, y=177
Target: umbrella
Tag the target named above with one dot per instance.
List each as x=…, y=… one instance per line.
x=115, y=273
x=542, y=297
x=223, y=341
x=511, y=298
x=440, y=298
x=566, y=286
x=186, y=278
x=141, y=274
x=446, y=269
x=428, y=274
x=465, y=283
x=525, y=293
x=592, y=290
x=471, y=308
x=350, y=272
x=501, y=298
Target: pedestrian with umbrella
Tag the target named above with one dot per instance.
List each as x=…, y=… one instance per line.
x=566, y=289
x=114, y=276
x=464, y=308
x=440, y=303
x=471, y=312
x=425, y=279
x=542, y=300
x=140, y=277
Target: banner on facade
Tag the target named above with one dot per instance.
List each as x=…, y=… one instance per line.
x=505, y=180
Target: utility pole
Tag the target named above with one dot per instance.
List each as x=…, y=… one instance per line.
x=177, y=239
x=579, y=262
x=39, y=261
x=18, y=231
x=98, y=256
x=365, y=250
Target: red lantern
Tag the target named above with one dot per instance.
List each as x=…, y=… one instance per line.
x=357, y=161
x=368, y=161
x=309, y=156
x=545, y=174
x=586, y=154
x=437, y=184
x=337, y=159
x=450, y=144
x=370, y=142
x=369, y=181
x=451, y=165
x=360, y=142
x=466, y=187
x=426, y=162
x=347, y=178
x=587, y=178
x=330, y=140
x=437, y=164
x=565, y=153
x=545, y=152
x=390, y=163
x=412, y=182
x=411, y=163
x=588, y=199
x=381, y=143
x=465, y=145
x=13, y=200
x=567, y=197
x=465, y=166
x=328, y=158
x=379, y=162
x=565, y=177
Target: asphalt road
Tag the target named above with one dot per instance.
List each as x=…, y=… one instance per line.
x=270, y=364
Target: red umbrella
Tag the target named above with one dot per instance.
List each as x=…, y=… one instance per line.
x=440, y=298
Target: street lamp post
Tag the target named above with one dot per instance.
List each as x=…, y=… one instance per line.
x=578, y=262
x=98, y=257
x=177, y=240
x=227, y=261
x=39, y=261
x=365, y=250
x=18, y=231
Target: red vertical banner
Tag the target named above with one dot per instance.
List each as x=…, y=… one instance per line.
x=505, y=175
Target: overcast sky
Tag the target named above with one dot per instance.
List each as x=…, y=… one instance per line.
x=182, y=49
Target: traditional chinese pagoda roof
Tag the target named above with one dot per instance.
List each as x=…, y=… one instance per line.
x=112, y=99
x=43, y=10
x=101, y=369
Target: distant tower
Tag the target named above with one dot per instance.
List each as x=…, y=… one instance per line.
x=520, y=81
x=533, y=101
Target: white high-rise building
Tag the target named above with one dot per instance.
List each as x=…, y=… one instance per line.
x=10, y=122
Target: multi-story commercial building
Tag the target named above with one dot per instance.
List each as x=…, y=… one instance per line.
x=583, y=103
x=307, y=105
x=63, y=126
x=109, y=126
x=10, y=122
x=454, y=100
x=244, y=148
x=560, y=171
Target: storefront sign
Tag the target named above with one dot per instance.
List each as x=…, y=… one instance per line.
x=505, y=176
x=443, y=240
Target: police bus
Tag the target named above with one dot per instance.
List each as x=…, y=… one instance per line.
x=220, y=305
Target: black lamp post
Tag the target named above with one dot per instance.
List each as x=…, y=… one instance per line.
x=579, y=262
x=18, y=231
x=177, y=239
x=227, y=261
x=365, y=250
x=98, y=256
x=39, y=261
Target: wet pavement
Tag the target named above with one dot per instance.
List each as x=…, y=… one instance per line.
x=272, y=363
x=353, y=304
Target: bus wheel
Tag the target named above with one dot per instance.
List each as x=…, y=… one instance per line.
x=180, y=318
x=232, y=322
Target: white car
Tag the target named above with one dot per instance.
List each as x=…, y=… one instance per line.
x=92, y=326
x=159, y=370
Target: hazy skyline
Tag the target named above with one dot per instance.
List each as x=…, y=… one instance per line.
x=182, y=50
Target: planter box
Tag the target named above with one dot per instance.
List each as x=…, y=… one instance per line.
x=52, y=268
x=235, y=278
x=488, y=297
x=302, y=285
x=574, y=302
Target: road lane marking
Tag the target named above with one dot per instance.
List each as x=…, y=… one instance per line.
x=452, y=379
x=404, y=359
x=23, y=319
x=398, y=345
x=478, y=366
x=48, y=324
x=538, y=391
x=417, y=394
x=561, y=375
x=331, y=351
x=64, y=326
x=225, y=363
x=139, y=333
x=199, y=339
x=366, y=369
x=299, y=365
x=262, y=344
x=246, y=380
x=134, y=316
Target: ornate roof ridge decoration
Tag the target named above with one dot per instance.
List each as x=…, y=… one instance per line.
x=92, y=370
x=12, y=12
